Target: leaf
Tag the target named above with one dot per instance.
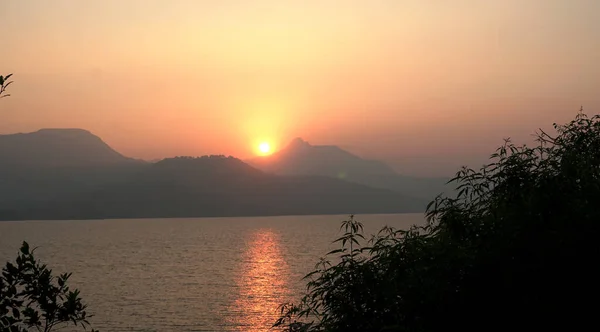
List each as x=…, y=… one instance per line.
x=25, y=248
x=16, y=313
x=429, y=205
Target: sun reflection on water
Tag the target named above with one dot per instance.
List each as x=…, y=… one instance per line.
x=262, y=282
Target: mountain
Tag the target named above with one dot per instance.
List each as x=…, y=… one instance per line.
x=302, y=158
x=94, y=181
x=58, y=148
x=50, y=164
x=215, y=186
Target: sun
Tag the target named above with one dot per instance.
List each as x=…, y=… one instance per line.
x=264, y=148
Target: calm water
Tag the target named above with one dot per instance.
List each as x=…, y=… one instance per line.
x=208, y=274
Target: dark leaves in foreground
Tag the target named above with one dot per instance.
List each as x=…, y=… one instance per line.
x=4, y=83
x=32, y=299
x=515, y=249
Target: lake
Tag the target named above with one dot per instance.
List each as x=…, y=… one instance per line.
x=201, y=274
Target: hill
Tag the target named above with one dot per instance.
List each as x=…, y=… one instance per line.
x=301, y=158
x=50, y=164
x=58, y=148
x=101, y=183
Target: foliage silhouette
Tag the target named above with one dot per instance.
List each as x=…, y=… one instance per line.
x=4, y=83
x=31, y=298
x=514, y=249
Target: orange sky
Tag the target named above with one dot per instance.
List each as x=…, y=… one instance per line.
x=425, y=85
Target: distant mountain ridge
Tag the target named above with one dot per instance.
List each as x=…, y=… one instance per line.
x=73, y=174
x=52, y=164
x=58, y=148
x=301, y=158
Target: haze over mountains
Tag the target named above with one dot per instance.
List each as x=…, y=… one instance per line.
x=302, y=158
x=73, y=174
x=58, y=147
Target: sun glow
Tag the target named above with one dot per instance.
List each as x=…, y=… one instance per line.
x=264, y=148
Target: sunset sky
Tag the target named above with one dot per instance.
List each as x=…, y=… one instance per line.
x=426, y=85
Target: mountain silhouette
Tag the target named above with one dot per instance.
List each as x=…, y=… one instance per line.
x=58, y=148
x=50, y=164
x=94, y=181
x=226, y=186
x=301, y=158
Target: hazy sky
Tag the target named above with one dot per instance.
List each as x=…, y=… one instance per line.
x=426, y=85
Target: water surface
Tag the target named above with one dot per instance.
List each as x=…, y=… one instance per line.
x=204, y=274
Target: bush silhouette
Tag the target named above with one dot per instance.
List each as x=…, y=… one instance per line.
x=32, y=299
x=514, y=249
